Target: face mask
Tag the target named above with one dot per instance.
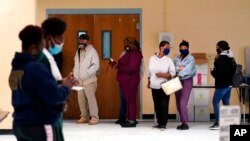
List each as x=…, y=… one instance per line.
x=166, y=51
x=82, y=45
x=184, y=51
x=127, y=48
x=218, y=51
x=56, y=49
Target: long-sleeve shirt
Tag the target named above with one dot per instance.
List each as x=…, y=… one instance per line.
x=223, y=70
x=129, y=66
x=87, y=66
x=188, y=63
x=53, y=66
x=162, y=65
x=36, y=97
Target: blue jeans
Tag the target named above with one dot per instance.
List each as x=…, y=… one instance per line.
x=123, y=107
x=220, y=94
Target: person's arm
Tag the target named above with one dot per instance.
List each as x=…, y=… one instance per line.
x=48, y=92
x=134, y=62
x=94, y=64
x=171, y=71
x=76, y=65
x=188, y=69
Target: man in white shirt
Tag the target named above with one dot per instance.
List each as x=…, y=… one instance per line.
x=85, y=69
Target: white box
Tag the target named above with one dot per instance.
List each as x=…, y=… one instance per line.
x=201, y=113
x=202, y=68
x=190, y=113
x=201, y=97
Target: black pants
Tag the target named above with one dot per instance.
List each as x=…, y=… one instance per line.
x=36, y=133
x=161, y=104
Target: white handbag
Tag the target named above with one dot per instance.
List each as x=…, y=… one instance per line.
x=171, y=86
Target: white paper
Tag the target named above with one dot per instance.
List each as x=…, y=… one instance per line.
x=77, y=88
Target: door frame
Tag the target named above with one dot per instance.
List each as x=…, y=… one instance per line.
x=107, y=11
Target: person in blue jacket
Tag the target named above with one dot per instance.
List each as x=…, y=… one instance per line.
x=185, y=69
x=37, y=98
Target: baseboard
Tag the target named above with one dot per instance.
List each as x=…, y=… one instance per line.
x=173, y=116
x=6, y=132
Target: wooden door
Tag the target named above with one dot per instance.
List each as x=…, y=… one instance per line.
x=120, y=26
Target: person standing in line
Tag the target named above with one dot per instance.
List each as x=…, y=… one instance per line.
x=128, y=77
x=36, y=96
x=161, y=69
x=123, y=105
x=185, y=69
x=223, y=74
x=85, y=69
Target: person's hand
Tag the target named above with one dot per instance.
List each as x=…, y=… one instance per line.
x=181, y=68
x=70, y=81
x=158, y=74
x=112, y=63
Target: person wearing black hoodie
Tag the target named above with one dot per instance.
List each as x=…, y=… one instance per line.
x=37, y=98
x=223, y=74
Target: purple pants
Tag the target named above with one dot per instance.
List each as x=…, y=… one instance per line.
x=182, y=98
x=129, y=90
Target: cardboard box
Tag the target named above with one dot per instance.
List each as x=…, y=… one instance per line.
x=201, y=97
x=201, y=113
x=200, y=58
x=201, y=68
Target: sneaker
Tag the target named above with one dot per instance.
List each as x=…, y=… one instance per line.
x=93, y=121
x=183, y=126
x=214, y=127
x=82, y=121
x=3, y=115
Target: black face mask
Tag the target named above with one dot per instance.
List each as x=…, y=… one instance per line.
x=218, y=51
x=127, y=48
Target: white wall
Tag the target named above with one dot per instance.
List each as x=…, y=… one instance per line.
x=14, y=15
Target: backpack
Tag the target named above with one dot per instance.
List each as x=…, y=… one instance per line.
x=238, y=74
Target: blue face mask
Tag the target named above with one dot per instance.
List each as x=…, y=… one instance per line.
x=184, y=51
x=166, y=51
x=56, y=49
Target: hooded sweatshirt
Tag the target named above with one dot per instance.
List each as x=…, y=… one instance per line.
x=36, y=97
x=223, y=69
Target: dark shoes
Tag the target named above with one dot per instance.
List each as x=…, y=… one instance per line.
x=128, y=124
x=183, y=126
x=215, y=126
x=161, y=127
x=123, y=121
x=120, y=121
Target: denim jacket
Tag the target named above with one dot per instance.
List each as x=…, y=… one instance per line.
x=189, y=66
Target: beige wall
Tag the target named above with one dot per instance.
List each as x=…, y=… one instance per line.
x=201, y=22
x=14, y=15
